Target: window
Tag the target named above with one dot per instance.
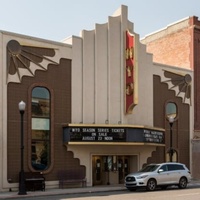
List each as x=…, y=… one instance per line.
x=109, y=163
x=149, y=168
x=174, y=167
x=171, y=110
x=40, y=128
x=164, y=168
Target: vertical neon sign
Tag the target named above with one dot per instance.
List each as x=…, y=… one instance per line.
x=130, y=74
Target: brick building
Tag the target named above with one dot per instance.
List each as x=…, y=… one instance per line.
x=179, y=45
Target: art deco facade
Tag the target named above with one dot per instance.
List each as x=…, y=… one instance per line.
x=95, y=103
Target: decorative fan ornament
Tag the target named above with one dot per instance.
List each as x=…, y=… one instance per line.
x=180, y=82
x=25, y=60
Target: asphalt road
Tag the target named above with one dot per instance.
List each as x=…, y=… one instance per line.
x=190, y=193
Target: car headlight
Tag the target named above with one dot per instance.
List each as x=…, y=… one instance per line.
x=142, y=176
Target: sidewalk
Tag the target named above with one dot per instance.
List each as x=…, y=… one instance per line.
x=48, y=192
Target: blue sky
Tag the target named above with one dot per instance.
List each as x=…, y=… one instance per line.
x=58, y=19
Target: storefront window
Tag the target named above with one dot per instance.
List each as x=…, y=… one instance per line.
x=40, y=128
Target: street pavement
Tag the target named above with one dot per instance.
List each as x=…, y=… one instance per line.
x=95, y=189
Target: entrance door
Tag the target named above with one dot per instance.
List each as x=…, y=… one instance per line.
x=126, y=166
x=123, y=167
x=97, y=170
x=110, y=169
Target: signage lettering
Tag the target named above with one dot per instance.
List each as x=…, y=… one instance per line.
x=98, y=134
x=153, y=136
x=114, y=134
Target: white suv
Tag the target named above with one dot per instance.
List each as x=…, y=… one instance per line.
x=162, y=175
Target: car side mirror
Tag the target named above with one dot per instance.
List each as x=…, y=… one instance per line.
x=160, y=170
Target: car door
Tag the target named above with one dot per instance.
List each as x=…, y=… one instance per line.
x=163, y=177
x=174, y=173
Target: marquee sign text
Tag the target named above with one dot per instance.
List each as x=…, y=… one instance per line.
x=97, y=134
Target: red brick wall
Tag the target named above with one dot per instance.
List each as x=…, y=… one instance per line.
x=173, y=49
x=196, y=79
x=181, y=48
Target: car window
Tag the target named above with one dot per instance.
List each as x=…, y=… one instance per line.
x=149, y=168
x=164, y=168
x=173, y=167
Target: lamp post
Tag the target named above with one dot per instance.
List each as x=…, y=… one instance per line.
x=22, y=188
x=171, y=121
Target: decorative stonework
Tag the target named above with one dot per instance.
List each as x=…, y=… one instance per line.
x=25, y=60
x=181, y=83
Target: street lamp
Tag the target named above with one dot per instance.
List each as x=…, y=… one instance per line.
x=22, y=188
x=171, y=151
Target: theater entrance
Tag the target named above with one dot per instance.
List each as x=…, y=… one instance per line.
x=109, y=170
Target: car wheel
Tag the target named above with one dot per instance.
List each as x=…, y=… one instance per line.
x=182, y=183
x=151, y=185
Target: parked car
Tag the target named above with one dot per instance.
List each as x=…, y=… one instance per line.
x=159, y=175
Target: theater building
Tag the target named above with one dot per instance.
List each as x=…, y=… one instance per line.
x=96, y=104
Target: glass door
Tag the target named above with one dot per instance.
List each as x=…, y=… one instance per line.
x=123, y=167
x=97, y=170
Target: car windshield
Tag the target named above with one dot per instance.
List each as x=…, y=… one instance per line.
x=149, y=168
